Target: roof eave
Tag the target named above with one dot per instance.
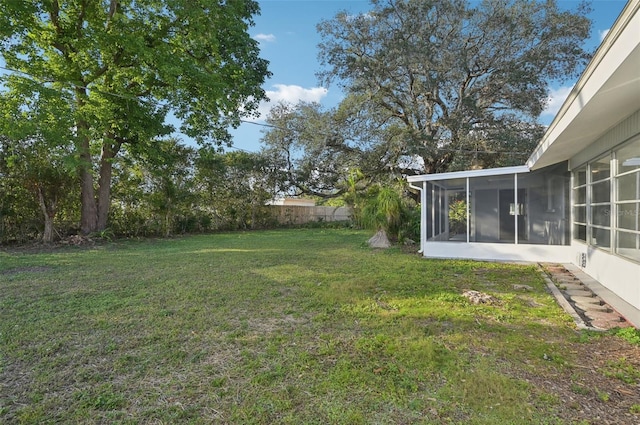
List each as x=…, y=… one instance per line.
x=567, y=134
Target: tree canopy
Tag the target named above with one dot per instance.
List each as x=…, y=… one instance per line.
x=121, y=66
x=440, y=80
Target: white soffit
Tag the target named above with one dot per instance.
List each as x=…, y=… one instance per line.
x=607, y=92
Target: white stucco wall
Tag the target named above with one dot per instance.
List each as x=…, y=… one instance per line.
x=619, y=275
x=499, y=251
x=614, y=273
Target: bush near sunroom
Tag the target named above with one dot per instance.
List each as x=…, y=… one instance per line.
x=388, y=212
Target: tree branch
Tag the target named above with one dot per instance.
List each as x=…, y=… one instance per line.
x=80, y=20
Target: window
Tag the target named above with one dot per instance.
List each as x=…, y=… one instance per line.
x=628, y=201
x=580, y=204
x=522, y=207
x=592, y=203
x=455, y=202
x=437, y=209
x=599, y=218
x=606, y=202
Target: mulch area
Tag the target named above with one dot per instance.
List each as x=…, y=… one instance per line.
x=603, y=387
x=593, y=391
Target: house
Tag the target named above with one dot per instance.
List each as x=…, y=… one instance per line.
x=577, y=198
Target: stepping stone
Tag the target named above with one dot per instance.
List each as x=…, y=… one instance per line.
x=615, y=322
x=593, y=307
x=568, y=279
x=566, y=286
x=586, y=300
x=578, y=292
x=602, y=315
x=556, y=269
x=602, y=324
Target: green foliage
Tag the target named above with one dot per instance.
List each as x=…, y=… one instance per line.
x=106, y=235
x=169, y=182
x=36, y=154
x=630, y=334
x=411, y=222
x=385, y=208
x=458, y=217
x=167, y=189
x=234, y=188
x=175, y=189
x=112, y=86
x=308, y=151
x=442, y=80
x=603, y=395
x=624, y=370
x=37, y=187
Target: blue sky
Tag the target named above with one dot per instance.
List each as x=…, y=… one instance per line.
x=288, y=39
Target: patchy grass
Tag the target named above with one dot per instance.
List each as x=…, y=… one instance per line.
x=291, y=326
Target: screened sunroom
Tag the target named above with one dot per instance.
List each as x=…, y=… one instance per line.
x=501, y=213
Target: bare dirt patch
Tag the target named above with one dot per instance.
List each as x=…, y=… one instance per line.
x=603, y=388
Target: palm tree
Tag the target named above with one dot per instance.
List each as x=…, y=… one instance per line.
x=383, y=213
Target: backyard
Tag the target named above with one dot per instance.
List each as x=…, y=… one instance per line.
x=296, y=326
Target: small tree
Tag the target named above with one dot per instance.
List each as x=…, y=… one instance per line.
x=35, y=151
x=234, y=187
x=168, y=171
x=383, y=213
x=458, y=217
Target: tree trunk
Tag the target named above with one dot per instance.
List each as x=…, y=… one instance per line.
x=104, y=184
x=49, y=213
x=88, y=208
x=167, y=223
x=253, y=214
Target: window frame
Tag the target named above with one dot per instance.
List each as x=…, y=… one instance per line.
x=618, y=203
x=576, y=186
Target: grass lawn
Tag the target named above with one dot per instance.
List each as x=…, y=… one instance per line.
x=292, y=327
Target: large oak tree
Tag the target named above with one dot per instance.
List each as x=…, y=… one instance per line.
x=123, y=66
x=432, y=79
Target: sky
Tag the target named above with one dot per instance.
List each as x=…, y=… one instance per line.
x=286, y=30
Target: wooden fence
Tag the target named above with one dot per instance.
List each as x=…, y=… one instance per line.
x=296, y=214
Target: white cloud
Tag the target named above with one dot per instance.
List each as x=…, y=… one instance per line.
x=289, y=94
x=366, y=15
x=294, y=94
x=603, y=34
x=556, y=99
x=267, y=38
